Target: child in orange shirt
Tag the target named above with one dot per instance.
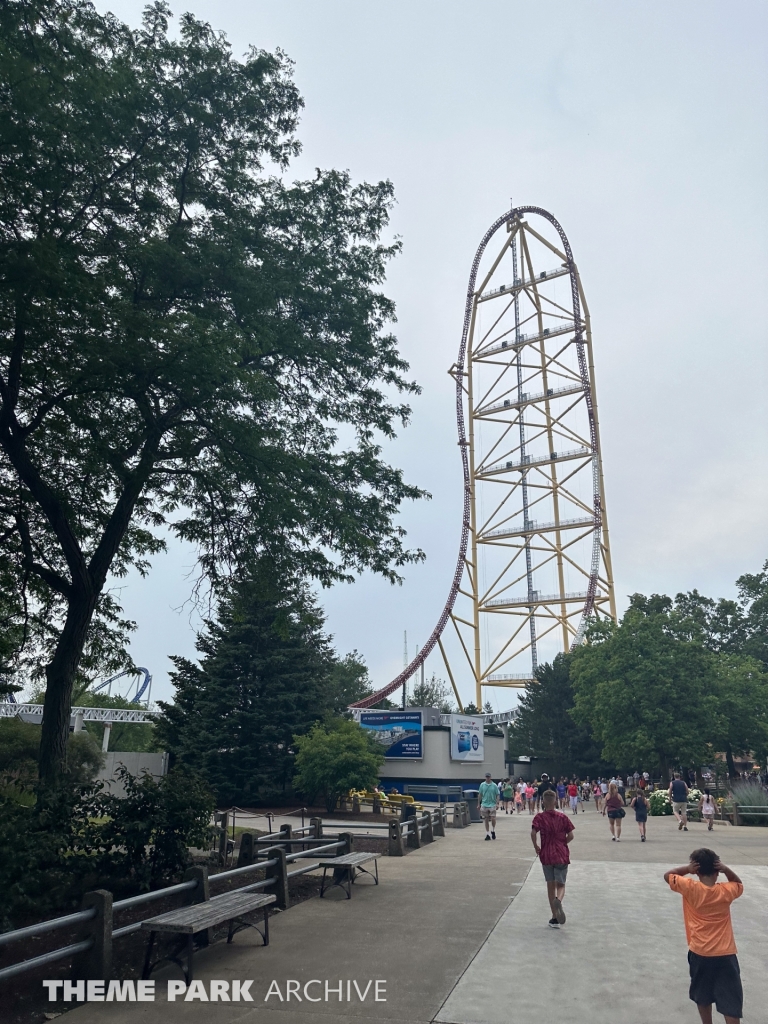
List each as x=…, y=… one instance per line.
x=714, y=966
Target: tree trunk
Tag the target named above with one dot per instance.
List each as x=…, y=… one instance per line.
x=60, y=679
x=732, y=773
x=664, y=768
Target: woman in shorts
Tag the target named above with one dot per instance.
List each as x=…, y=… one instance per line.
x=613, y=806
x=561, y=794
x=506, y=792
x=530, y=798
x=640, y=805
x=597, y=793
x=707, y=809
x=519, y=796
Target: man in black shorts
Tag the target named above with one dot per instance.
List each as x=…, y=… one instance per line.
x=714, y=966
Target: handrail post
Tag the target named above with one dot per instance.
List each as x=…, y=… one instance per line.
x=355, y=804
x=347, y=838
x=245, y=854
x=429, y=835
x=96, y=963
x=279, y=872
x=458, y=815
x=396, y=839
x=200, y=894
x=414, y=833
x=287, y=832
x=439, y=821
x=317, y=827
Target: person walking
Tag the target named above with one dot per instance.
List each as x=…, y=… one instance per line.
x=507, y=793
x=707, y=809
x=530, y=797
x=545, y=784
x=678, y=794
x=519, y=796
x=489, y=801
x=640, y=805
x=712, y=956
x=573, y=797
x=613, y=806
x=597, y=794
x=561, y=791
x=555, y=832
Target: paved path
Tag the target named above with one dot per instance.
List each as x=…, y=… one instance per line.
x=458, y=931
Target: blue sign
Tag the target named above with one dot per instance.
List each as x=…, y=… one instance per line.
x=399, y=732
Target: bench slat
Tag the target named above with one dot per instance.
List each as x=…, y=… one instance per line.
x=348, y=860
x=199, y=916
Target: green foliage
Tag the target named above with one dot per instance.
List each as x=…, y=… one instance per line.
x=82, y=838
x=349, y=681
x=643, y=687
x=748, y=794
x=659, y=802
x=143, y=837
x=666, y=685
x=20, y=752
x=545, y=727
x=433, y=693
x=265, y=675
x=189, y=343
x=333, y=758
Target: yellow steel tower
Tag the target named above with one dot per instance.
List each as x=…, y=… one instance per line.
x=534, y=561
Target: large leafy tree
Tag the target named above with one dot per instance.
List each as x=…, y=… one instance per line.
x=182, y=332
x=266, y=673
x=545, y=728
x=645, y=688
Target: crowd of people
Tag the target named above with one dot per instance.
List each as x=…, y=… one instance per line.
x=610, y=795
x=553, y=805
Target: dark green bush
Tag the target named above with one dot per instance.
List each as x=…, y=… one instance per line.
x=83, y=838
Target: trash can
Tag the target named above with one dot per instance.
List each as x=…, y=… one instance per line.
x=471, y=796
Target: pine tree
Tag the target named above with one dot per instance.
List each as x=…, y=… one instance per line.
x=266, y=674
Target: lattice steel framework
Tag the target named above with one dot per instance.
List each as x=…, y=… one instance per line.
x=534, y=556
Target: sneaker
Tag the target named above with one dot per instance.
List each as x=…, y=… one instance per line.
x=642, y=839
x=613, y=839
x=493, y=835
x=554, y=923
x=559, y=912
x=680, y=826
x=685, y=828
x=487, y=838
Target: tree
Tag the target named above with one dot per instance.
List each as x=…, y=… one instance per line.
x=333, y=758
x=350, y=682
x=182, y=334
x=266, y=674
x=545, y=728
x=740, y=725
x=433, y=693
x=645, y=688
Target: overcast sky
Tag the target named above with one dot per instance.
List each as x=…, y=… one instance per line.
x=642, y=128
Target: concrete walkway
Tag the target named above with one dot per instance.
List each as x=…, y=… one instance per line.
x=457, y=932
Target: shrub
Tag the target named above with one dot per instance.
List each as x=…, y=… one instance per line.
x=660, y=803
x=750, y=795
x=83, y=838
x=334, y=758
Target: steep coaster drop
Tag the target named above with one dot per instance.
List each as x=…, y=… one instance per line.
x=534, y=561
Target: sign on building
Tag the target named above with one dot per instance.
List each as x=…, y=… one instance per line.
x=399, y=732
x=466, y=738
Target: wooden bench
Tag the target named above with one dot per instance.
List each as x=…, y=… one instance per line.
x=345, y=868
x=189, y=921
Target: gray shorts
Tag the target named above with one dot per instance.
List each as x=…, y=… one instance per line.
x=681, y=807
x=555, y=872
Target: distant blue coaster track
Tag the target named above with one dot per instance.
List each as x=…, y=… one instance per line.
x=141, y=690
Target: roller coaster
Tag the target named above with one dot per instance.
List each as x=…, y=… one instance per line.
x=529, y=442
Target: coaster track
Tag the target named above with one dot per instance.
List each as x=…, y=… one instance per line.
x=516, y=213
